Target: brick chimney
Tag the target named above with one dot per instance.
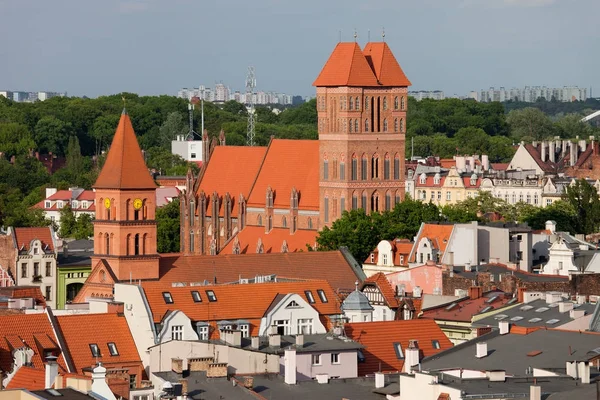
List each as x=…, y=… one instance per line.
x=475, y=292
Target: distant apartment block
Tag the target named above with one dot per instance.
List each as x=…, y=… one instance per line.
x=428, y=94
x=531, y=94
x=222, y=93
x=30, y=97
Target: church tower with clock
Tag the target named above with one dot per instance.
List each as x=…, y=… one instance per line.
x=125, y=224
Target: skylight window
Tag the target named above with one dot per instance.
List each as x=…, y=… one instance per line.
x=553, y=305
x=491, y=299
x=211, y=295
x=513, y=300
x=95, y=350
x=534, y=320
x=451, y=306
x=435, y=344
x=552, y=321
x=542, y=309
x=322, y=295
x=526, y=308
x=399, y=352
x=196, y=296
x=500, y=317
x=517, y=318
x=112, y=349
x=167, y=297
x=309, y=296
x=486, y=309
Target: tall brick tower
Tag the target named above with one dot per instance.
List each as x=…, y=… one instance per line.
x=361, y=105
x=125, y=225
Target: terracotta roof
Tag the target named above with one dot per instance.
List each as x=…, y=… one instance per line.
x=465, y=309
x=23, y=292
x=430, y=181
x=331, y=266
x=61, y=195
x=379, y=339
x=17, y=330
x=535, y=154
x=467, y=182
x=88, y=195
x=385, y=287
x=499, y=166
x=524, y=330
x=237, y=301
x=447, y=163
x=289, y=164
x=125, y=167
x=164, y=195
x=384, y=64
x=346, y=66
x=24, y=236
x=439, y=234
x=272, y=241
x=81, y=330
x=28, y=378
x=231, y=169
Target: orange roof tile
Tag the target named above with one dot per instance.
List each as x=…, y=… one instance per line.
x=243, y=301
x=385, y=287
x=524, y=330
x=447, y=163
x=28, y=378
x=16, y=330
x=439, y=234
x=272, y=241
x=384, y=64
x=81, y=330
x=331, y=266
x=125, y=167
x=23, y=292
x=379, y=339
x=467, y=308
x=24, y=236
x=346, y=66
x=289, y=164
x=231, y=169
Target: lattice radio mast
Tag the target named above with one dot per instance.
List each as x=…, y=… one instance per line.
x=250, y=85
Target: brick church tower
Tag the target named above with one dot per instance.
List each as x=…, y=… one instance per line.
x=361, y=105
x=125, y=225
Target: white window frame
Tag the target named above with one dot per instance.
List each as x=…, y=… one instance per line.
x=48, y=204
x=335, y=358
x=384, y=259
x=304, y=326
x=285, y=323
x=203, y=332
x=177, y=332
x=315, y=359
x=245, y=329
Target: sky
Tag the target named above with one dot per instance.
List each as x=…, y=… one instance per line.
x=100, y=47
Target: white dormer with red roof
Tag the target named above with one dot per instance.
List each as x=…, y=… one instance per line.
x=290, y=315
x=81, y=202
x=389, y=256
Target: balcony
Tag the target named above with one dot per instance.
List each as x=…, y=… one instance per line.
x=36, y=278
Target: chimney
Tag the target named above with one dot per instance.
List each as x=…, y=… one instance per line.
x=99, y=385
x=485, y=162
x=551, y=151
x=177, y=365
x=411, y=356
x=290, y=366
x=574, y=313
x=584, y=371
x=565, y=306
x=535, y=392
x=450, y=261
x=543, y=151
x=299, y=341
x=255, y=343
x=467, y=267
x=322, y=378
x=573, y=153
x=51, y=371
x=504, y=327
x=475, y=292
x=379, y=380
x=551, y=226
x=184, y=386
x=572, y=369
x=482, y=350
x=275, y=341
x=496, y=375
x=65, y=249
x=581, y=299
x=234, y=338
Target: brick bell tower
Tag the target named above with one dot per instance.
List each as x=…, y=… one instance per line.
x=361, y=105
x=125, y=225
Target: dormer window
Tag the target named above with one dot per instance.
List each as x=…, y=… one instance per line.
x=112, y=349
x=293, y=304
x=167, y=297
x=322, y=295
x=422, y=179
x=48, y=204
x=384, y=259
x=59, y=204
x=84, y=204
x=436, y=179
x=372, y=257
x=75, y=204
x=95, y=350
x=212, y=297
x=196, y=296
x=309, y=296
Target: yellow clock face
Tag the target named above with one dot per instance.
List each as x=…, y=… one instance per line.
x=107, y=203
x=137, y=204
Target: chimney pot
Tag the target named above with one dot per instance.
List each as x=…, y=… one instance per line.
x=482, y=350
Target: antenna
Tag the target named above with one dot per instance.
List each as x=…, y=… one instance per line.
x=191, y=105
x=250, y=85
x=355, y=35
x=369, y=35
x=383, y=33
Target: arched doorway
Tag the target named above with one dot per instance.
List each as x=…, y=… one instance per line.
x=73, y=289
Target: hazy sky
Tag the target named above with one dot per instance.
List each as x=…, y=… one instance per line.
x=96, y=47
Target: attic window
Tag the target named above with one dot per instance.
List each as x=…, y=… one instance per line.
x=491, y=299
x=309, y=296
x=95, y=350
x=435, y=344
x=552, y=321
x=196, y=296
x=211, y=295
x=526, y=308
x=517, y=318
x=542, y=309
x=112, y=348
x=486, y=309
x=48, y=204
x=534, y=320
x=322, y=296
x=500, y=317
x=398, y=350
x=293, y=304
x=167, y=297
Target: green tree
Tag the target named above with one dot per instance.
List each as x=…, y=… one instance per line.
x=472, y=140
x=52, y=135
x=560, y=211
x=15, y=139
x=570, y=126
x=405, y=219
x=84, y=228
x=583, y=197
x=235, y=108
x=174, y=125
x=530, y=124
x=167, y=218
x=68, y=222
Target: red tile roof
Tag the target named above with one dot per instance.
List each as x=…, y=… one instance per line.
x=467, y=182
x=28, y=378
x=439, y=235
x=81, y=330
x=24, y=236
x=331, y=266
x=23, y=292
x=500, y=166
x=231, y=169
x=346, y=66
x=384, y=64
x=272, y=241
x=125, y=167
x=385, y=288
x=379, y=339
x=465, y=309
x=447, y=163
x=535, y=154
x=430, y=181
x=237, y=301
x=22, y=329
x=289, y=164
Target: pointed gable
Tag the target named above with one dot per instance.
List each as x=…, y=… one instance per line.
x=125, y=167
x=347, y=66
x=387, y=70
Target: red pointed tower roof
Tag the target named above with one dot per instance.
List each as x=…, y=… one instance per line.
x=347, y=66
x=384, y=65
x=125, y=167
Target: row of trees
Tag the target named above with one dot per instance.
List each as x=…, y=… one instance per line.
x=577, y=212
